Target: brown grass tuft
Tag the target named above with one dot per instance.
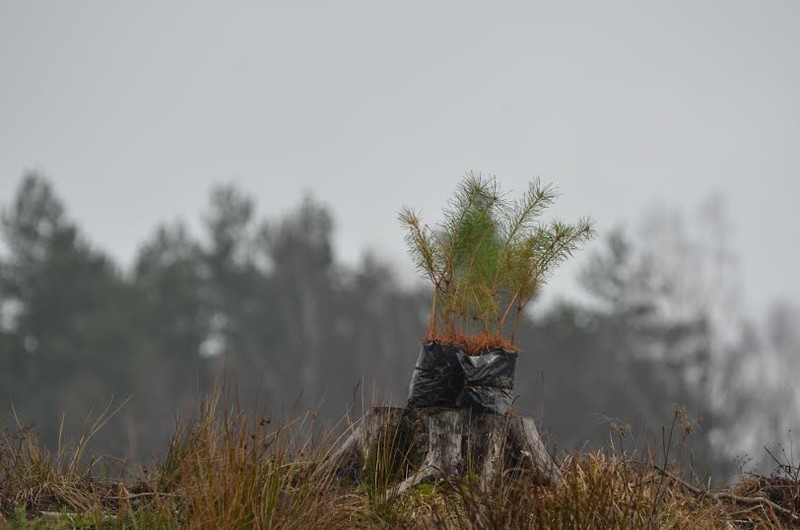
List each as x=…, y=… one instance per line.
x=230, y=468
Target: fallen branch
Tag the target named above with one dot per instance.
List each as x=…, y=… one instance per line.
x=720, y=496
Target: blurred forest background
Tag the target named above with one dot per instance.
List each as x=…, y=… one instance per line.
x=266, y=301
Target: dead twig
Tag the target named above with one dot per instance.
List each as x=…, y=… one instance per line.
x=722, y=496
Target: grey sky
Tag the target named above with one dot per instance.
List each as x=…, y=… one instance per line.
x=134, y=109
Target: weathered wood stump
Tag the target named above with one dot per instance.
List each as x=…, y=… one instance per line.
x=411, y=446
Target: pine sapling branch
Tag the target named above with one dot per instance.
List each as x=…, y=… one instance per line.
x=488, y=258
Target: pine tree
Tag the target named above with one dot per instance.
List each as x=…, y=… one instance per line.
x=488, y=259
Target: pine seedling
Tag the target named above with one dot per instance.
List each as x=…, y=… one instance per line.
x=487, y=259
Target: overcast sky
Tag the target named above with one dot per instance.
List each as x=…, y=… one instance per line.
x=135, y=109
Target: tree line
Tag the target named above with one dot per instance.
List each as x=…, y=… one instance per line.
x=266, y=303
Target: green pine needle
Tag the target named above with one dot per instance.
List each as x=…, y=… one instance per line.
x=489, y=256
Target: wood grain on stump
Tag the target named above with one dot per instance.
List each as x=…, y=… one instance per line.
x=411, y=446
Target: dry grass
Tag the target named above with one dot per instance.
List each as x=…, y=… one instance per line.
x=600, y=491
x=228, y=468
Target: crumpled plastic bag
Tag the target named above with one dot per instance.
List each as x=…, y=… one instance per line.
x=438, y=378
x=488, y=381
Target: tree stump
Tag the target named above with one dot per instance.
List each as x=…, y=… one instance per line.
x=399, y=448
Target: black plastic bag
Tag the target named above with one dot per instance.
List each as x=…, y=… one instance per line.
x=438, y=378
x=488, y=381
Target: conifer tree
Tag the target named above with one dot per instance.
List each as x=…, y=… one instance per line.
x=488, y=258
